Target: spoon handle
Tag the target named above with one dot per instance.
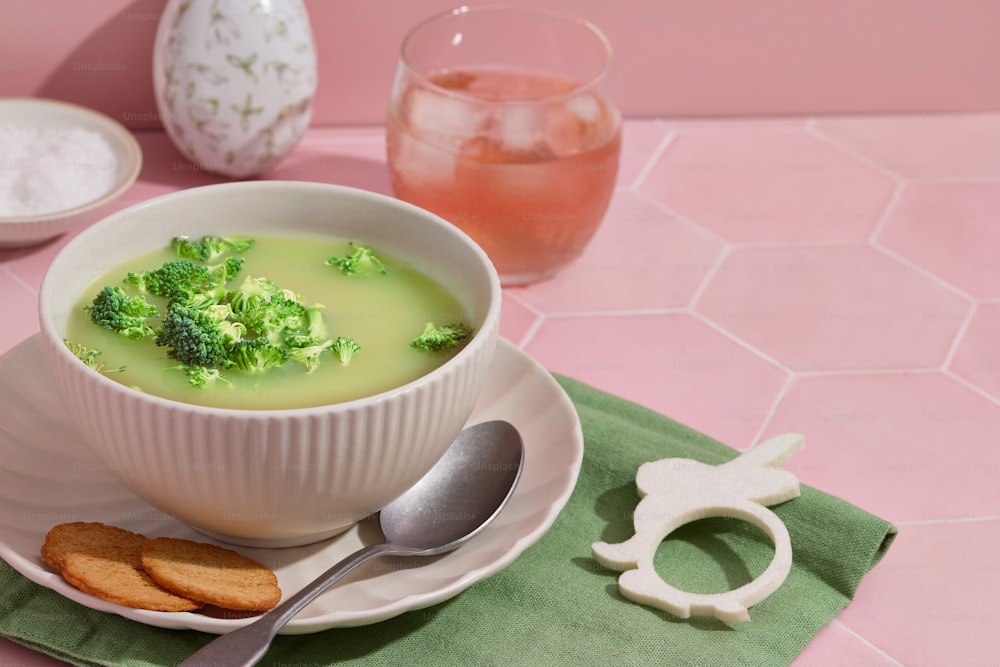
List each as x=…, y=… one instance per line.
x=246, y=645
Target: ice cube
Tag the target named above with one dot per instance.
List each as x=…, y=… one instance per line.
x=564, y=132
x=518, y=128
x=586, y=107
x=421, y=164
x=582, y=123
x=441, y=119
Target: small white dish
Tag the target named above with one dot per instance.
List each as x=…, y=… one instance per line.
x=50, y=477
x=42, y=115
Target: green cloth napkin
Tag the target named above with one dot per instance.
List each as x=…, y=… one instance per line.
x=554, y=605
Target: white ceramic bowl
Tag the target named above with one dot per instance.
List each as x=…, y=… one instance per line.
x=43, y=115
x=274, y=477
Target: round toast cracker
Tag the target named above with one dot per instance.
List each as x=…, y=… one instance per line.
x=210, y=574
x=106, y=562
x=122, y=582
x=87, y=537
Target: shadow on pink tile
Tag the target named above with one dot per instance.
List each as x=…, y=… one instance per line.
x=932, y=600
x=358, y=164
x=640, y=258
x=20, y=312
x=977, y=358
x=906, y=447
x=352, y=157
x=673, y=364
x=951, y=230
x=769, y=185
x=952, y=146
x=516, y=319
x=833, y=308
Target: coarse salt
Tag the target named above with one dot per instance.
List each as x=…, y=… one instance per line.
x=45, y=170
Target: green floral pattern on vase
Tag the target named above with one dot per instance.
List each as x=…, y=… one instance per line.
x=234, y=81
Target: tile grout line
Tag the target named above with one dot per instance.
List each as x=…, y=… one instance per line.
x=691, y=224
x=890, y=208
x=851, y=153
x=18, y=280
x=699, y=291
x=718, y=328
x=654, y=159
x=947, y=372
x=778, y=400
x=843, y=372
x=956, y=342
x=532, y=331
x=867, y=642
x=634, y=312
x=533, y=328
x=924, y=271
x=942, y=522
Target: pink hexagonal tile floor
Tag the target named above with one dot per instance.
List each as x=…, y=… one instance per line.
x=977, y=357
x=844, y=307
x=639, y=140
x=950, y=229
x=931, y=601
x=889, y=442
x=769, y=185
x=616, y=273
x=952, y=147
x=672, y=363
x=831, y=276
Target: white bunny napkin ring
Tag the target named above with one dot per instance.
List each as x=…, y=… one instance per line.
x=677, y=491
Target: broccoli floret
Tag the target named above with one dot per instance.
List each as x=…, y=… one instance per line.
x=435, y=338
x=307, y=350
x=285, y=314
x=126, y=315
x=315, y=323
x=275, y=318
x=361, y=262
x=200, y=376
x=195, y=337
x=269, y=311
x=179, y=280
x=252, y=293
x=88, y=355
x=222, y=273
x=232, y=331
x=210, y=327
x=210, y=248
x=204, y=299
x=345, y=349
x=172, y=280
x=256, y=356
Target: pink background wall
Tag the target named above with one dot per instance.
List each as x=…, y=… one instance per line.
x=675, y=57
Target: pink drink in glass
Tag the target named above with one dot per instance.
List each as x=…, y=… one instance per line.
x=524, y=160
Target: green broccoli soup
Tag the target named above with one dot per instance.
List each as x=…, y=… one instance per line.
x=269, y=322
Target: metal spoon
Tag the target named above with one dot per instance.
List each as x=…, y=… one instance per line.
x=455, y=501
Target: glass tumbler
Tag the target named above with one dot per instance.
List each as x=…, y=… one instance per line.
x=499, y=121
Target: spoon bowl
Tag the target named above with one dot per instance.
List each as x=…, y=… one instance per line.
x=461, y=495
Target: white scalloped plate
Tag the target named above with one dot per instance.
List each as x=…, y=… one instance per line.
x=49, y=476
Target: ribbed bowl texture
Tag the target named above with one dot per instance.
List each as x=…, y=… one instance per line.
x=272, y=478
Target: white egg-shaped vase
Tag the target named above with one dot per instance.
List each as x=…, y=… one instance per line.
x=234, y=81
